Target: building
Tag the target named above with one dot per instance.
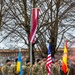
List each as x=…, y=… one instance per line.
x=13, y=53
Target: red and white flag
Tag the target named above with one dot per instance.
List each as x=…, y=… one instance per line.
x=35, y=13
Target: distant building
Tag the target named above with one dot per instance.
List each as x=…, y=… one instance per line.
x=14, y=53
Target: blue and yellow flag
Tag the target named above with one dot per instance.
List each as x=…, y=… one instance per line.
x=19, y=64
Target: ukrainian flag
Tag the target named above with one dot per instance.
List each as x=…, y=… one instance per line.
x=19, y=64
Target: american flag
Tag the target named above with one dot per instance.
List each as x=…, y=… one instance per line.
x=49, y=60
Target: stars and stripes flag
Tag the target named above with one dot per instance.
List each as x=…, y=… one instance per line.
x=64, y=59
x=49, y=60
x=34, y=24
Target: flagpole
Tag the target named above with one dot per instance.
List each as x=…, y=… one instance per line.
x=19, y=49
x=30, y=29
x=31, y=53
x=33, y=24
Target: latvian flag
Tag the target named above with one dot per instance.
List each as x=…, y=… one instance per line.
x=34, y=24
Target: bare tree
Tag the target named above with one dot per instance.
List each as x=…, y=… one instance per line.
x=55, y=20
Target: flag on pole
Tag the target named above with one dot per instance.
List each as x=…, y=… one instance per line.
x=49, y=60
x=64, y=59
x=19, y=64
x=34, y=17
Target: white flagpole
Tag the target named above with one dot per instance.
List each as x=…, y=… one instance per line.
x=19, y=49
